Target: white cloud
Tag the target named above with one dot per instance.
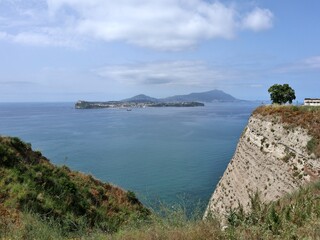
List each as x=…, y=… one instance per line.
x=258, y=20
x=307, y=64
x=163, y=24
x=177, y=73
x=166, y=24
x=27, y=22
x=42, y=37
x=33, y=39
x=311, y=63
x=256, y=85
x=3, y=35
x=49, y=37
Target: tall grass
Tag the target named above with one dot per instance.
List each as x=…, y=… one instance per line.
x=296, y=216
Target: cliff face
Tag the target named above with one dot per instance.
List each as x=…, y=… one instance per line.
x=272, y=158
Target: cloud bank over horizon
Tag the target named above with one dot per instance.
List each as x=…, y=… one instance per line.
x=173, y=73
x=162, y=25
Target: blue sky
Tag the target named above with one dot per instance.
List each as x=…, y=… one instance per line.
x=66, y=50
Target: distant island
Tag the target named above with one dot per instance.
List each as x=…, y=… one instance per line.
x=133, y=104
x=142, y=101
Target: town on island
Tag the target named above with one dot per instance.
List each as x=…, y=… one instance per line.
x=130, y=105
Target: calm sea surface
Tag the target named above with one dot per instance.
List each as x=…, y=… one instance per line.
x=172, y=155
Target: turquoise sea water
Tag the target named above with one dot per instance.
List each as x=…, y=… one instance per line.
x=162, y=154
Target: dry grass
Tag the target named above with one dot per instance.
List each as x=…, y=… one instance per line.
x=307, y=117
x=189, y=230
x=9, y=220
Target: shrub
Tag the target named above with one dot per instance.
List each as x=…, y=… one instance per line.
x=132, y=197
x=311, y=145
x=281, y=94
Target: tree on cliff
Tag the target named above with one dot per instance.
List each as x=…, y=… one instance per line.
x=281, y=94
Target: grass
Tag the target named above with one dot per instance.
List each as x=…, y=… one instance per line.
x=295, y=216
x=30, y=184
x=307, y=117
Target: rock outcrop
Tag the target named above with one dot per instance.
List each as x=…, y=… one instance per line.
x=272, y=158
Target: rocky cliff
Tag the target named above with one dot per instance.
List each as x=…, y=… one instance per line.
x=277, y=153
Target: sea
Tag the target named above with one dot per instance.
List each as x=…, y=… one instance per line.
x=167, y=156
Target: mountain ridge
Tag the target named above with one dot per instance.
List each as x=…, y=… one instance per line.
x=208, y=96
x=141, y=98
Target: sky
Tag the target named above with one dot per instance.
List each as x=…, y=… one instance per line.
x=69, y=50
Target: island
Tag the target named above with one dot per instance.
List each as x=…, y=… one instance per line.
x=133, y=104
x=143, y=101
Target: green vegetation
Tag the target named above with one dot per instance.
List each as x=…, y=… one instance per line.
x=307, y=117
x=312, y=145
x=41, y=201
x=295, y=216
x=73, y=201
x=281, y=94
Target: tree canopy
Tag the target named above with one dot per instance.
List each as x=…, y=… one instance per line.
x=281, y=94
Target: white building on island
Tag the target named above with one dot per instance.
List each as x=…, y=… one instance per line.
x=312, y=101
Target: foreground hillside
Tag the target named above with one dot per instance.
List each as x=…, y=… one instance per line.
x=30, y=184
x=295, y=216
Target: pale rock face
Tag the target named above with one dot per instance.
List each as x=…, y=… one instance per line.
x=270, y=158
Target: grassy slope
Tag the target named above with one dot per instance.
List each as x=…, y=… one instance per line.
x=29, y=183
x=295, y=216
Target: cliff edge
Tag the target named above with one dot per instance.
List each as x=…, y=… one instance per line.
x=277, y=153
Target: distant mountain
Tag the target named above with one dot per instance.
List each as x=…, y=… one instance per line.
x=141, y=98
x=210, y=96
